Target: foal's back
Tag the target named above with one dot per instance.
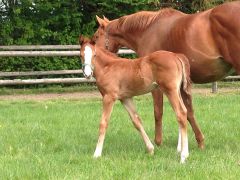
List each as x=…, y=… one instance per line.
x=142, y=75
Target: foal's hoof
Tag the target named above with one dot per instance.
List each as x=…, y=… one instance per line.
x=151, y=151
x=184, y=158
x=182, y=161
x=96, y=155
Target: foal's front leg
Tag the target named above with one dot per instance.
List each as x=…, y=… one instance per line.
x=107, y=109
x=129, y=105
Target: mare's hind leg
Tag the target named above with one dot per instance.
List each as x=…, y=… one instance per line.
x=129, y=105
x=181, y=114
x=158, y=112
x=187, y=99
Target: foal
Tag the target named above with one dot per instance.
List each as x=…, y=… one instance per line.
x=121, y=79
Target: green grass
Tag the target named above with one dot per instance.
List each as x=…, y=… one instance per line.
x=40, y=89
x=56, y=140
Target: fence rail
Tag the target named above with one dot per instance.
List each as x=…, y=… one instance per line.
x=45, y=81
x=44, y=51
x=40, y=47
x=39, y=73
x=50, y=51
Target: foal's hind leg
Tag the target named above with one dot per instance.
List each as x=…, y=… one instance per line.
x=181, y=113
x=158, y=112
x=129, y=105
x=187, y=99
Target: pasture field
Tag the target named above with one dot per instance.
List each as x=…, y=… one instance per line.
x=55, y=139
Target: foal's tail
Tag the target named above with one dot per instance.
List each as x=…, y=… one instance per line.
x=186, y=81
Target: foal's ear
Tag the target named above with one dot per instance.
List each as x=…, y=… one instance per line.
x=102, y=22
x=83, y=39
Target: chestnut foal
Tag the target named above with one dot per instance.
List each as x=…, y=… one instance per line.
x=121, y=79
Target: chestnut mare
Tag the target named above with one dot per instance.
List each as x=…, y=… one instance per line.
x=121, y=79
x=210, y=40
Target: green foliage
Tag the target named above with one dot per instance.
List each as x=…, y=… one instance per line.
x=32, y=22
x=39, y=64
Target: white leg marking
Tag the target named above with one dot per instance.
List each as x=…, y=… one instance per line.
x=147, y=141
x=179, y=145
x=98, y=151
x=185, y=152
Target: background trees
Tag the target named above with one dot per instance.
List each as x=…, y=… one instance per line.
x=24, y=22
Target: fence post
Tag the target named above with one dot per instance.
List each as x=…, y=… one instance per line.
x=214, y=87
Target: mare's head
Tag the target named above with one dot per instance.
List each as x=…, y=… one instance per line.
x=87, y=54
x=103, y=38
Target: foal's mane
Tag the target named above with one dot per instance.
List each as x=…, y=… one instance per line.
x=105, y=52
x=141, y=20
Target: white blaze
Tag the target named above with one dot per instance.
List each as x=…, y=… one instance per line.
x=88, y=61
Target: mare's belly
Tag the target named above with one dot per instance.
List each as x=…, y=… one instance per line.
x=209, y=70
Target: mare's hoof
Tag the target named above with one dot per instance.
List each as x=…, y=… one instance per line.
x=158, y=142
x=201, y=145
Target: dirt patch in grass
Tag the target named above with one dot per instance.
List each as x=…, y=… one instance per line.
x=51, y=96
x=93, y=94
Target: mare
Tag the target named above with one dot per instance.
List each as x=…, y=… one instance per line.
x=210, y=39
x=121, y=79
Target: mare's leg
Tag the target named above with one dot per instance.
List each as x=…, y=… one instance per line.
x=158, y=112
x=187, y=99
x=129, y=105
x=107, y=109
x=181, y=113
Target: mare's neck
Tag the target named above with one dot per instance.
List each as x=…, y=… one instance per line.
x=136, y=30
x=125, y=38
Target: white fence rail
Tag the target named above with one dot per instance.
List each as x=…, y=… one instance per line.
x=44, y=51
x=50, y=51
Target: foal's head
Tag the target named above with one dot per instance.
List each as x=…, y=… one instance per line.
x=87, y=54
x=103, y=38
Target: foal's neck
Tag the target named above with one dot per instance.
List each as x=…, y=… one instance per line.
x=104, y=57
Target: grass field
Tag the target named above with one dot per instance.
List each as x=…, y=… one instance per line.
x=55, y=139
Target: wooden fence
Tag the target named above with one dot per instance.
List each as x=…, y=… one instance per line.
x=44, y=51
x=50, y=51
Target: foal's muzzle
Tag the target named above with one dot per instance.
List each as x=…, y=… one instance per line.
x=89, y=73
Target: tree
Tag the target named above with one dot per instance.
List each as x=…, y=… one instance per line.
x=42, y=22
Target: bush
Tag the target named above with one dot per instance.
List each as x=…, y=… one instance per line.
x=26, y=22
